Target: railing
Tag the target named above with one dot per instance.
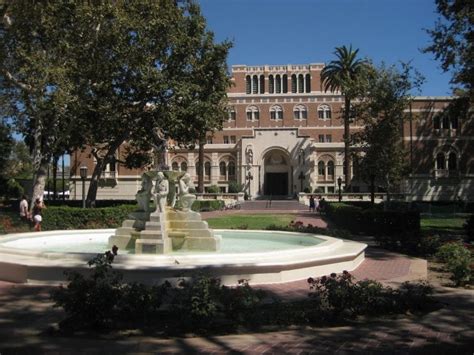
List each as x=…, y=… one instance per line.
x=220, y=196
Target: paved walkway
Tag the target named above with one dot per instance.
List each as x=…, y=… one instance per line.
x=26, y=313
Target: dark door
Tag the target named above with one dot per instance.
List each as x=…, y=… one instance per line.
x=276, y=184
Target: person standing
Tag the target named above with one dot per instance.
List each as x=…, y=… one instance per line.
x=24, y=214
x=311, y=203
x=38, y=208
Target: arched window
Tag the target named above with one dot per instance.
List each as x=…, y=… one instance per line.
x=184, y=166
x=445, y=122
x=175, y=166
x=231, y=113
x=300, y=83
x=321, y=169
x=262, y=84
x=276, y=112
x=271, y=84
x=308, y=83
x=440, y=161
x=231, y=170
x=293, y=83
x=452, y=162
x=255, y=84
x=222, y=170
x=285, y=83
x=252, y=113
x=278, y=84
x=248, y=85
x=331, y=169
x=300, y=112
x=454, y=123
x=324, y=112
x=207, y=170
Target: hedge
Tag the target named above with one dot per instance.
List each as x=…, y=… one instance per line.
x=398, y=229
x=88, y=218
x=207, y=205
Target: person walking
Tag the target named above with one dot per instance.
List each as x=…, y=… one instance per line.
x=38, y=207
x=311, y=203
x=24, y=214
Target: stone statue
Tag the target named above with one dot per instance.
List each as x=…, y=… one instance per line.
x=144, y=194
x=161, y=192
x=185, y=197
x=249, y=155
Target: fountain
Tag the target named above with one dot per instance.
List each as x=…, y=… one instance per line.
x=171, y=242
x=166, y=228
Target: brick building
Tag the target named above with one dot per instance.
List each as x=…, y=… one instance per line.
x=284, y=134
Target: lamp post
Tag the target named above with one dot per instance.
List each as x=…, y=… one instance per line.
x=301, y=178
x=339, y=183
x=249, y=178
x=83, y=174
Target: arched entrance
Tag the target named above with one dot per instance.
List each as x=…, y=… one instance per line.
x=276, y=173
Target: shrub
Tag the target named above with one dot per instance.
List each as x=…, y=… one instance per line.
x=207, y=205
x=469, y=228
x=458, y=261
x=306, y=190
x=429, y=245
x=235, y=187
x=213, y=189
x=80, y=218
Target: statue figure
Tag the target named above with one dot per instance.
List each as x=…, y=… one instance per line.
x=161, y=192
x=185, y=197
x=249, y=155
x=144, y=194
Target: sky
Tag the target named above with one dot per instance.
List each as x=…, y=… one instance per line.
x=307, y=31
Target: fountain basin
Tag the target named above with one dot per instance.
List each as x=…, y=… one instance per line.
x=22, y=260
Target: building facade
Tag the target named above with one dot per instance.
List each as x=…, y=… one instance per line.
x=284, y=135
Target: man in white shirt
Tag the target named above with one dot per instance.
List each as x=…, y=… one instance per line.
x=24, y=214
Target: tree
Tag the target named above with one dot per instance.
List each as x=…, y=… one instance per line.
x=33, y=78
x=136, y=77
x=346, y=73
x=6, y=145
x=382, y=110
x=453, y=38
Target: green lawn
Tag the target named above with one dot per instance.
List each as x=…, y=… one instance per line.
x=443, y=225
x=256, y=221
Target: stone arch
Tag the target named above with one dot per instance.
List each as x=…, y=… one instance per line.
x=276, y=164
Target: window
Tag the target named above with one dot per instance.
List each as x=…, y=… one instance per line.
x=285, y=83
x=300, y=83
x=207, y=170
x=437, y=123
x=293, y=84
x=328, y=138
x=232, y=139
x=271, y=84
x=255, y=84
x=454, y=123
x=222, y=170
x=252, y=113
x=324, y=112
x=209, y=140
x=321, y=168
x=452, y=162
x=175, y=166
x=231, y=114
x=226, y=139
x=440, y=161
x=308, y=83
x=222, y=189
x=300, y=112
x=446, y=122
x=262, y=84
x=278, y=84
x=330, y=189
x=248, y=84
x=231, y=170
x=321, y=138
x=331, y=170
x=276, y=112
x=184, y=166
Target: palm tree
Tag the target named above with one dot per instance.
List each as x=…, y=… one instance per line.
x=343, y=74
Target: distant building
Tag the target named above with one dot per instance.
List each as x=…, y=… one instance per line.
x=284, y=135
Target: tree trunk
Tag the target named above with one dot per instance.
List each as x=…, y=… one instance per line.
x=55, y=173
x=40, y=164
x=347, y=142
x=372, y=189
x=202, y=141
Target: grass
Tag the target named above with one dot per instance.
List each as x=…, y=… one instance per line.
x=255, y=221
x=443, y=225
